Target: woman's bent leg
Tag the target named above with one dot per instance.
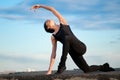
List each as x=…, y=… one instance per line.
x=80, y=62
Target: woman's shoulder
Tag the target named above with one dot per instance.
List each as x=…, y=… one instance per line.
x=64, y=25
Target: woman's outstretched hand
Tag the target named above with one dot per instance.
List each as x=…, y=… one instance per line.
x=35, y=7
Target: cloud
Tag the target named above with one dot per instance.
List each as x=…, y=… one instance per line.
x=21, y=62
x=12, y=17
x=22, y=11
x=13, y=13
x=116, y=40
x=94, y=22
x=24, y=58
x=112, y=5
x=95, y=60
x=96, y=14
x=77, y=5
x=111, y=58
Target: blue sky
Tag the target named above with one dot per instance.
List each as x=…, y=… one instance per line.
x=24, y=43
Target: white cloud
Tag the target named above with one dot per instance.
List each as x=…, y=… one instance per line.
x=14, y=17
x=90, y=15
x=112, y=6
x=113, y=59
x=17, y=57
x=77, y=5
x=96, y=22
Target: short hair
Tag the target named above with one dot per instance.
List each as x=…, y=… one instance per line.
x=46, y=29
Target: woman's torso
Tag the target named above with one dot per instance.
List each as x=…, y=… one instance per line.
x=65, y=31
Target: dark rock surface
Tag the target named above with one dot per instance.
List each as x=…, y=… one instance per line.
x=67, y=75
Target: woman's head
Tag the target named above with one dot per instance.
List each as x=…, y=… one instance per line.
x=49, y=26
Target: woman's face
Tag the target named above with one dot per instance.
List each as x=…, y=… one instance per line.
x=50, y=24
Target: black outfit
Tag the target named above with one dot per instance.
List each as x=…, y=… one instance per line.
x=74, y=47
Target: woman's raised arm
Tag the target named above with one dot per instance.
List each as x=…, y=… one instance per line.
x=53, y=10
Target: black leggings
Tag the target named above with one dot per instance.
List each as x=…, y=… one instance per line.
x=79, y=61
x=82, y=64
x=76, y=51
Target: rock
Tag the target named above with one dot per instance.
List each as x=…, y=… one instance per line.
x=67, y=75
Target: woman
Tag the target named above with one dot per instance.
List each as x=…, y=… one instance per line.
x=71, y=44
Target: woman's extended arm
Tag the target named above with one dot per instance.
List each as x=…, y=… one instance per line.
x=53, y=55
x=54, y=11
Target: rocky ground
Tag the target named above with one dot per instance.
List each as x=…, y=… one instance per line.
x=67, y=75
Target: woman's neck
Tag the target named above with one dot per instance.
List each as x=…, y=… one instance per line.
x=56, y=29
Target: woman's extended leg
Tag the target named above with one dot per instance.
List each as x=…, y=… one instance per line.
x=82, y=64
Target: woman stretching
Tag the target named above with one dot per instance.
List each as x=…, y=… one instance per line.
x=62, y=32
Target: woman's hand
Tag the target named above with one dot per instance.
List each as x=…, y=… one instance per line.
x=35, y=7
x=49, y=72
